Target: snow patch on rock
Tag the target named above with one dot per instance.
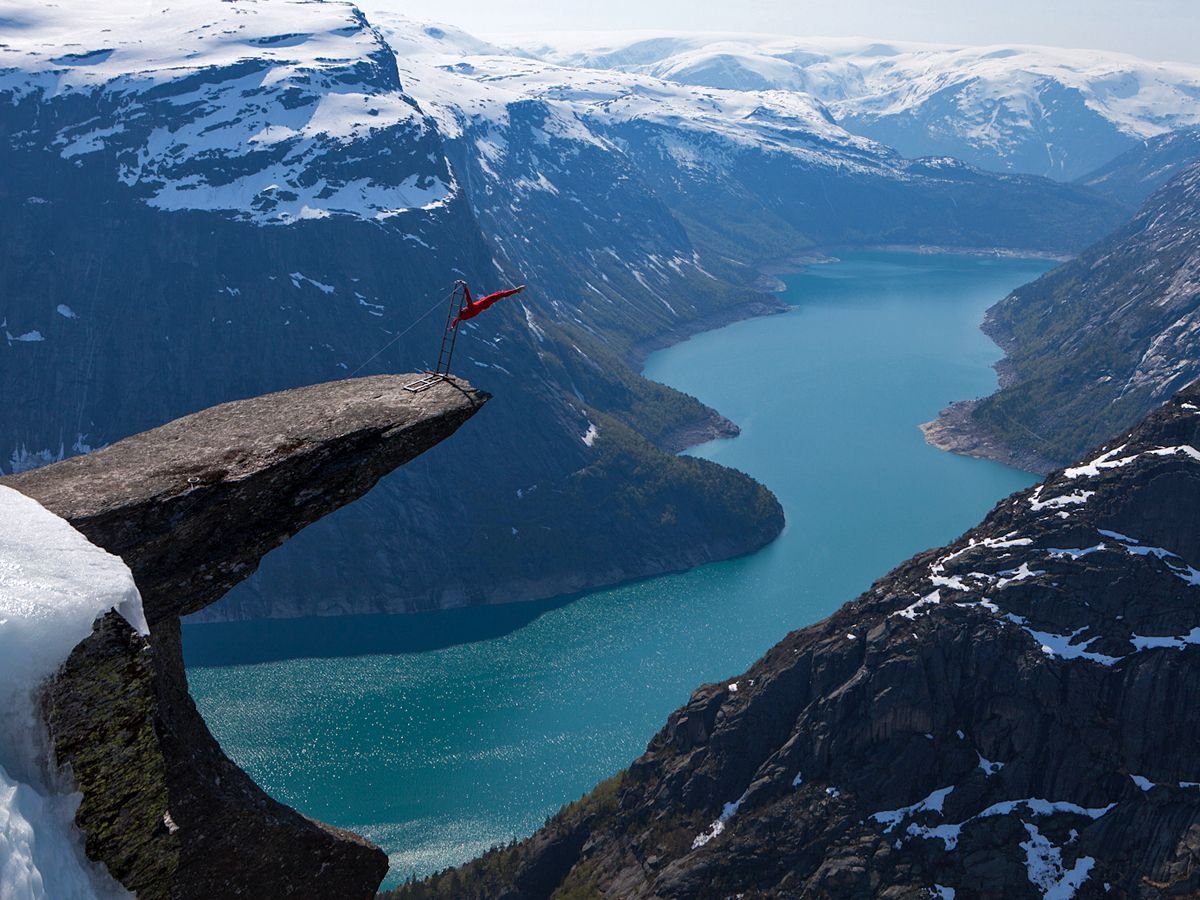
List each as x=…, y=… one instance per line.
x=54, y=584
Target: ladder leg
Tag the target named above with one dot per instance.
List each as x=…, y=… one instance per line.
x=450, y=331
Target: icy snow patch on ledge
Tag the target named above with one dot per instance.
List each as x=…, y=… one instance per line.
x=53, y=585
x=1046, y=869
x=1108, y=460
x=1064, y=646
x=1058, y=502
x=1103, y=461
x=933, y=803
x=718, y=825
x=911, y=612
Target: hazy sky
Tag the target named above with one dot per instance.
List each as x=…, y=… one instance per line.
x=1156, y=29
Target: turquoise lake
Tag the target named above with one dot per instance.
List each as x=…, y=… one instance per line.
x=439, y=735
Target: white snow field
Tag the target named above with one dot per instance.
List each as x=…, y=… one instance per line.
x=1003, y=105
x=855, y=75
x=281, y=111
x=53, y=585
x=243, y=107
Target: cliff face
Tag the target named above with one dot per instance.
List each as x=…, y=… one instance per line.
x=1137, y=173
x=1007, y=716
x=1093, y=345
x=192, y=507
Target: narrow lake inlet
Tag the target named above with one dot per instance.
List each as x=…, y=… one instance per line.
x=439, y=735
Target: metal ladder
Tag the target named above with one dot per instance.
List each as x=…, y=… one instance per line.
x=449, y=338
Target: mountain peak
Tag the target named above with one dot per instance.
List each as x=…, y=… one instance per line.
x=267, y=112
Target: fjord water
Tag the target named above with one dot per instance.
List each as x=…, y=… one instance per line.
x=442, y=734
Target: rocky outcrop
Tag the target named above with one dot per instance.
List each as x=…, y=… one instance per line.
x=1008, y=716
x=1093, y=345
x=192, y=507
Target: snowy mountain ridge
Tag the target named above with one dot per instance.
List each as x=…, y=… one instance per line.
x=273, y=112
x=280, y=111
x=276, y=112
x=457, y=78
x=1018, y=107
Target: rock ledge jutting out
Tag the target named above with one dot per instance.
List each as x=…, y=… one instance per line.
x=192, y=507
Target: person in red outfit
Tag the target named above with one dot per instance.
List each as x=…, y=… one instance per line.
x=475, y=307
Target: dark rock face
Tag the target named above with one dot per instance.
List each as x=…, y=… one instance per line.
x=1095, y=344
x=1008, y=716
x=192, y=507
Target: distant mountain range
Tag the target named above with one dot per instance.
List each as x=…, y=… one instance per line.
x=212, y=201
x=1037, y=110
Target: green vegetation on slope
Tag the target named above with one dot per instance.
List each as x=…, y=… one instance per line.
x=1099, y=342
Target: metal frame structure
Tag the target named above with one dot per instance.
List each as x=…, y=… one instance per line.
x=458, y=297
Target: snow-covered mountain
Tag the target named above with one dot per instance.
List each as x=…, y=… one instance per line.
x=273, y=112
x=746, y=172
x=1045, y=111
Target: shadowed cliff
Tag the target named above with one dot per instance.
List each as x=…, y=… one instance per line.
x=192, y=507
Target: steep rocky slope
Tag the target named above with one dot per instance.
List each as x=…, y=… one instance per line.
x=192, y=507
x=1095, y=344
x=1007, y=716
x=1136, y=174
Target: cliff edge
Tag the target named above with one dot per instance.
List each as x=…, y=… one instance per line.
x=192, y=507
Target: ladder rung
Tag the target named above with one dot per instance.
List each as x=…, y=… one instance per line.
x=424, y=384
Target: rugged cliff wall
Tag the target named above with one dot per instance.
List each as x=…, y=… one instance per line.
x=192, y=507
x=1007, y=716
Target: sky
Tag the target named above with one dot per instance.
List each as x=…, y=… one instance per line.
x=1155, y=29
